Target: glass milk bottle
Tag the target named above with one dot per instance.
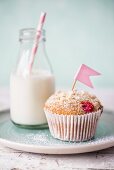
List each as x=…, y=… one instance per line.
x=28, y=92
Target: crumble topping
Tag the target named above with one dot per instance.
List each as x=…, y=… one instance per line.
x=71, y=103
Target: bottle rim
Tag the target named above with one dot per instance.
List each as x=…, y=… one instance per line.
x=29, y=33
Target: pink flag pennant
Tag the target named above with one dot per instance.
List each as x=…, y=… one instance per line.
x=83, y=74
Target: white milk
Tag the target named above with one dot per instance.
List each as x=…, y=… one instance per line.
x=28, y=95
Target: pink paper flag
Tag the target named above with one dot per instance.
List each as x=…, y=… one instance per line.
x=83, y=74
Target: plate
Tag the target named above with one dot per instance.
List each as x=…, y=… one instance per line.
x=41, y=141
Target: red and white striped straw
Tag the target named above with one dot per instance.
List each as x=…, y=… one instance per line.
x=36, y=42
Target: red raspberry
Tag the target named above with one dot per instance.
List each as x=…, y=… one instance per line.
x=87, y=106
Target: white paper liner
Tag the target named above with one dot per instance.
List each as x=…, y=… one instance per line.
x=73, y=127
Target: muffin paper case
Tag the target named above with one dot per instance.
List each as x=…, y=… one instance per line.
x=73, y=127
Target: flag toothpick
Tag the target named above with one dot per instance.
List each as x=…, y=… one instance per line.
x=83, y=75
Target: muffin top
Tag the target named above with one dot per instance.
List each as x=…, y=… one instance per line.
x=72, y=103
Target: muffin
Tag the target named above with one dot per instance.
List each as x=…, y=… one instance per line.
x=73, y=115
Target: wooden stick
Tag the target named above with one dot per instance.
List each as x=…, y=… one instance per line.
x=73, y=84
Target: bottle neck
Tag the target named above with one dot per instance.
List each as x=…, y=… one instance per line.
x=41, y=60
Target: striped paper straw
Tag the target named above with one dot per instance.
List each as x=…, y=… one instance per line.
x=36, y=42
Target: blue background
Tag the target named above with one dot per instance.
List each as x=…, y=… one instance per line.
x=78, y=31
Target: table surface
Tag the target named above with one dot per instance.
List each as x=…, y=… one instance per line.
x=17, y=160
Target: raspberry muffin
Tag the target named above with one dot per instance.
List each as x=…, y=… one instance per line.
x=73, y=115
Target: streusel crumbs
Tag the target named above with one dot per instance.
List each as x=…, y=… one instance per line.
x=70, y=103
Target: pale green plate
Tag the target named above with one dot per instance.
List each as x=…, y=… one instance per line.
x=41, y=141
